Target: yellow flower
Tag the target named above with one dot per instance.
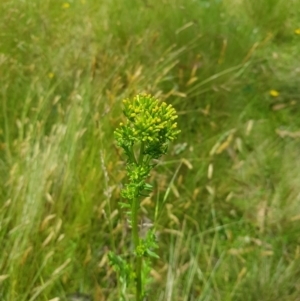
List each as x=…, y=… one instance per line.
x=274, y=93
x=66, y=5
x=50, y=75
x=297, y=31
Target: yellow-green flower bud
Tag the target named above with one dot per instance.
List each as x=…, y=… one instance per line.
x=149, y=122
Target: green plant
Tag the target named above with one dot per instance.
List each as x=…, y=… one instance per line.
x=144, y=137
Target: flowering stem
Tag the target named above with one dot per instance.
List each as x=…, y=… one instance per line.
x=139, y=286
x=141, y=153
x=135, y=233
x=132, y=158
x=136, y=241
x=151, y=125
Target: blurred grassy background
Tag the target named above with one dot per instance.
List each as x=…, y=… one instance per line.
x=229, y=188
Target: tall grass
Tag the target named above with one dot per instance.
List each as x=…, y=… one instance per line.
x=229, y=189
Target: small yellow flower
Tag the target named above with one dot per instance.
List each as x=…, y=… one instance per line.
x=297, y=31
x=66, y=5
x=50, y=74
x=274, y=93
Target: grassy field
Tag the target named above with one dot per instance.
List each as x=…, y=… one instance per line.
x=229, y=186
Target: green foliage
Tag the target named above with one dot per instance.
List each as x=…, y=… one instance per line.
x=150, y=126
x=229, y=185
x=125, y=272
x=147, y=246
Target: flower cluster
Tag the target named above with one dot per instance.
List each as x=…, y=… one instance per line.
x=149, y=122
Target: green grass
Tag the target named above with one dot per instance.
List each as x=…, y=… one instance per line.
x=230, y=197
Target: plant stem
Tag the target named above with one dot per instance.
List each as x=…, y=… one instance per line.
x=136, y=240
x=135, y=233
x=141, y=157
x=133, y=156
x=139, y=286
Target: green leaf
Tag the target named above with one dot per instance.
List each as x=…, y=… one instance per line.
x=148, y=187
x=151, y=253
x=124, y=205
